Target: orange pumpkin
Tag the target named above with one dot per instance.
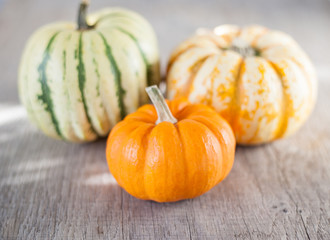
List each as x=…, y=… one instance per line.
x=176, y=157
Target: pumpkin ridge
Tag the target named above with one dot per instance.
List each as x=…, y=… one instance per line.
x=207, y=184
x=223, y=146
x=24, y=87
x=256, y=39
x=224, y=151
x=173, y=58
x=145, y=60
x=120, y=92
x=98, y=78
x=45, y=96
x=145, y=164
x=142, y=115
x=63, y=79
x=28, y=104
x=283, y=123
x=196, y=67
x=71, y=134
x=225, y=37
x=212, y=76
x=224, y=84
x=103, y=113
x=309, y=79
x=186, y=170
x=177, y=109
x=82, y=81
x=114, y=14
x=190, y=110
x=144, y=141
x=235, y=103
x=96, y=66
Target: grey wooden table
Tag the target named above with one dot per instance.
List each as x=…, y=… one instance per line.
x=55, y=190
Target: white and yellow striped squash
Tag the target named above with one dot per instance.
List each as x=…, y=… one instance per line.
x=78, y=82
x=260, y=80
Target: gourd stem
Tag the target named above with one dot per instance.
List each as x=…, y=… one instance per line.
x=82, y=23
x=242, y=47
x=163, y=111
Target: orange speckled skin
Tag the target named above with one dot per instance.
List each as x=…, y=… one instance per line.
x=264, y=96
x=170, y=162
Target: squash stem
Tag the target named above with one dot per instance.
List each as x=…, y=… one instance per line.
x=82, y=23
x=163, y=111
x=242, y=47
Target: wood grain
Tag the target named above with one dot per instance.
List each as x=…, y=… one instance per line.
x=55, y=190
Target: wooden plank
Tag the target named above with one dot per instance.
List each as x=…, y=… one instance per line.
x=64, y=191
x=51, y=189
x=55, y=190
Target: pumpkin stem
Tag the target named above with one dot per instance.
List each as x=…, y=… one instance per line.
x=242, y=47
x=163, y=111
x=82, y=23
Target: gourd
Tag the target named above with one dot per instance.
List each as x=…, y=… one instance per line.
x=78, y=81
x=258, y=79
x=170, y=151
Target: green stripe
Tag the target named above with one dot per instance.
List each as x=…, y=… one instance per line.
x=117, y=75
x=98, y=75
x=64, y=63
x=98, y=80
x=45, y=96
x=145, y=60
x=66, y=90
x=82, y=80
x=96, y=70
x=64, y=77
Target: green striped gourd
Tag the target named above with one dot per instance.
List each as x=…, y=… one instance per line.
x=77, y=82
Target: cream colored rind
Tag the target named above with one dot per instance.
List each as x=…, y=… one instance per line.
x=263, y=97
x=87, y=106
